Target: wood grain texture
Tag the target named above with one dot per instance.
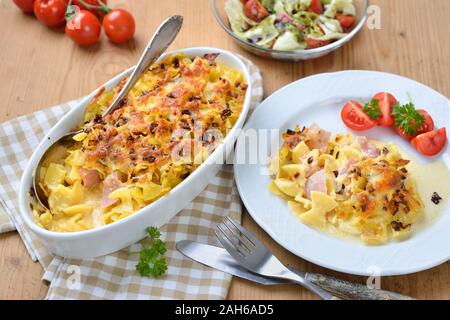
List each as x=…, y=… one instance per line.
x=41, y=67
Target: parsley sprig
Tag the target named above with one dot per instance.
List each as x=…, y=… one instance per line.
x=407, y=118
x=372, y=109
x=151, y=260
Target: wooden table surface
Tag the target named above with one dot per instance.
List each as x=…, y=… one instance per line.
x=42, y=67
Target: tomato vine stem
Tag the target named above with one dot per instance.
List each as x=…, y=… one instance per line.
x=102, y=6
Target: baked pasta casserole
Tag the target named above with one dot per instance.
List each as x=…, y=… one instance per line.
x=346, y=184
x=170, y=122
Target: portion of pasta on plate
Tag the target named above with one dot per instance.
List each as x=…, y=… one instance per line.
x=170, y=122
x=347, y=185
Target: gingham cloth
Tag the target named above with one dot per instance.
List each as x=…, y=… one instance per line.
x=114, y=276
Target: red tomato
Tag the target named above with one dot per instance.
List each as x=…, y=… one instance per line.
x=119, y=25
x=316, y=7
x=50, y=12
x=254, y=10
x=345, y=21
x=98, y=12
x=312, y=43
x=428, y=125
x=355, y=118
x=83, y=28
x=430, y=143
x=244, y=1
x=386, y=102
x=25, y=5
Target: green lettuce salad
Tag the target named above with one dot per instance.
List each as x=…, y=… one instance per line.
x=290, y=24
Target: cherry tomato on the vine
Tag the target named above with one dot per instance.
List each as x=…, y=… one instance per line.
x=83, y=28
x=119, y=25
x=25, y=5
x=50, y=12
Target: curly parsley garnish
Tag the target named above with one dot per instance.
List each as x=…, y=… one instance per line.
x=151, y=260
x=372, y=109
x=407, y=118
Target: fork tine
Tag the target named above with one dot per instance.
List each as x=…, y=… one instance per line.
x=232, y=250
x=246, y=233
x=243, y=248
x=236, y=234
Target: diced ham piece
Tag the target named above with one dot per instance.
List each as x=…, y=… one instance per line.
x=347, y=166
x=110, y=184
x=318, y=138
x=368, y=148
x=90, y=177
x=316, y=182
x=211, y=57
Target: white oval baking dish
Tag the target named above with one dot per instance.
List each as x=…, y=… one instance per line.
x=115, y=236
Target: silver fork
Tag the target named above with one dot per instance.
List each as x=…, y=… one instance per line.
x=254, y=256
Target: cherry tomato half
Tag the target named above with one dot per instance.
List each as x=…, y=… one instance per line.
x=430, y=143
x=83, y=28
x=312, y=43
x=428, y=125
x=50, y=12
x=254, y=10
x=25, y=5
x=98, y=12
x=316, y=7
x=386, y=102
x=355, y=118
x=119, y=25
x=345, y=21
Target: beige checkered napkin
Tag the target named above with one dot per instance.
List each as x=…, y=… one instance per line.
x=114, y=276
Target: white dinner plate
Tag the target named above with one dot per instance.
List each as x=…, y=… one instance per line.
x=319, y=99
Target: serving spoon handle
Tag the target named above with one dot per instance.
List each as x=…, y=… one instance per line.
x=160, y=41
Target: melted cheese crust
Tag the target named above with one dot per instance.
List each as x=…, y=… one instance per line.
x=347, y=185
x=170, y=122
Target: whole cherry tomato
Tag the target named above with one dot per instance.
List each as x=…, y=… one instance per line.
x=25, y=5
x=119, y=25
x=98, y=12
x=83, y=28
x=50, y=12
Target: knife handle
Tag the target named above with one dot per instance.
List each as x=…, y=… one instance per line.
x=352, y=290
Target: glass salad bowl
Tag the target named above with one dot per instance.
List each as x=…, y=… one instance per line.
x=218, y=7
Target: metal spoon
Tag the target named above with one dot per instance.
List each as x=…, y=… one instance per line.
x=160, y=41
